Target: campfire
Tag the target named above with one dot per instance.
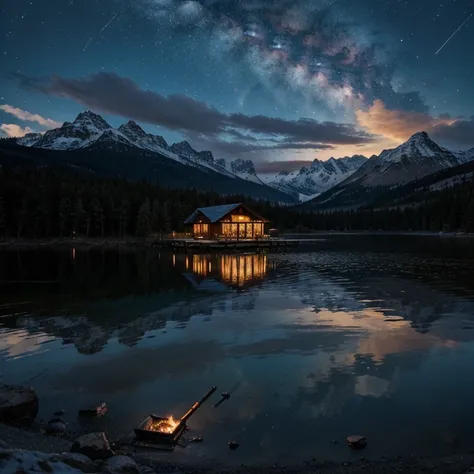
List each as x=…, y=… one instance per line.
x=163, y=425
x=166, y=430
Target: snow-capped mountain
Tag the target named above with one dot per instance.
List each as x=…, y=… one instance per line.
x=244, y=169
x=86, y=128
x=418, y=157
x=91, y=131
x=319, y=177
x=137, y=135
x=414, y=159
x=464, y=156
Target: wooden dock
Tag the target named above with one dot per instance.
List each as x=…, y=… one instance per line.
x=202, y=244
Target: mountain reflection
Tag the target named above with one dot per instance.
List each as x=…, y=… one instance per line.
x=334, y=341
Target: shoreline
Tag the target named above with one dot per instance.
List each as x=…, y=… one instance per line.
x=136, y=242
x=16, y=439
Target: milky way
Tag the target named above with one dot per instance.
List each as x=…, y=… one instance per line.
x=262, y=79
x=307, y=46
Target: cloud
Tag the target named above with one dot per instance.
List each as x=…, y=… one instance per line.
x=397, y=125
x=272, y=167
x=29, y=117
x=13, y=130
x=461, y=132
x=235, y=132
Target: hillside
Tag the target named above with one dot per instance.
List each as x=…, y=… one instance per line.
x=129, y=163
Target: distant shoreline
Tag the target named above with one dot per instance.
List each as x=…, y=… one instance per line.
x=137, y=242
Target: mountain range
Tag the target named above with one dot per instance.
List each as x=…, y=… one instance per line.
x=419, y=157
x=319, y=177
x=90, y=144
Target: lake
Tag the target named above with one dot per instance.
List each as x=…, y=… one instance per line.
x=354, y=334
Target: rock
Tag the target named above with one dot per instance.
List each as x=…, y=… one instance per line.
x=57, y=419
x=357, y=441
x=55, y=427
x=93, y=445
x=77, y=461
x=233, y=444
x=121, y=465
x=146, y=470
x=22, y=461
x=196, y=439
x=17, y=404
x=45, y=466
x=94, y=410
x=60, y=412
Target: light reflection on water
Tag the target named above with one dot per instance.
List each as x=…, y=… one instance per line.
x=315, y=345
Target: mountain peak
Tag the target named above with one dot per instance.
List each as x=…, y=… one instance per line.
x=90, y=119
x=132, y=127
x=419, y=136
x=183, y=147
x=241, y=166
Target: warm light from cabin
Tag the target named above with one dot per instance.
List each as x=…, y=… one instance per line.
x=233, y=269
x=240, y=269
x=201, y=229
x=200, y=265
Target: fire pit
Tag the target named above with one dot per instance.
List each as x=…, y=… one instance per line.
x=160, y=430
x=166, y=430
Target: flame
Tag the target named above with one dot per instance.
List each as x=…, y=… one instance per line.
x=168, y=425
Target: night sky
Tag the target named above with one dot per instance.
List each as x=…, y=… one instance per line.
x=276, y=81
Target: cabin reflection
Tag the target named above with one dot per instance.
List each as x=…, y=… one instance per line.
x=232, y=270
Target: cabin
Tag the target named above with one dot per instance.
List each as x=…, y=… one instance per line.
x=230, y=221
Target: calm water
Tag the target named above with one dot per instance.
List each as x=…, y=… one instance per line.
x=356, y=334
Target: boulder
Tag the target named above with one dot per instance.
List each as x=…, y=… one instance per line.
x=55, y=427
x=233, y=445
x=77, y=461
x=121, y=465
x=22, y=461
x=357, y=441
x=18, y=404
x=93, y=445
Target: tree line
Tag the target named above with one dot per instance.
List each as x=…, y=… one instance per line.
x=45, y=203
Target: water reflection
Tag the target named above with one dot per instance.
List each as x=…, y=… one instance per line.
x=338, y=342
x=235, y=271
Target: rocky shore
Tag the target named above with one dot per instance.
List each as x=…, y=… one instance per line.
x=28, y=451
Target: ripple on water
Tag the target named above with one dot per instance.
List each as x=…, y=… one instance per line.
x=345, y=341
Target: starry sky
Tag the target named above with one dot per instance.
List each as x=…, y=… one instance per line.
x=278, y=81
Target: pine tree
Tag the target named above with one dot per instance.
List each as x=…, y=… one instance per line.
x=144, y=219
x=22, y=216
x=63, y=215
x=98, y=216
x=166, y=222
x=124, y=216
x=156, y=216
x=78, y=216
x=3, y=218
x=469, y=216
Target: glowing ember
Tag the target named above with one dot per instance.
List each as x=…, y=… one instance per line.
x=168, y=425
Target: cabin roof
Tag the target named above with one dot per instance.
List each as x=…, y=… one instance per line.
x=215, y=213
